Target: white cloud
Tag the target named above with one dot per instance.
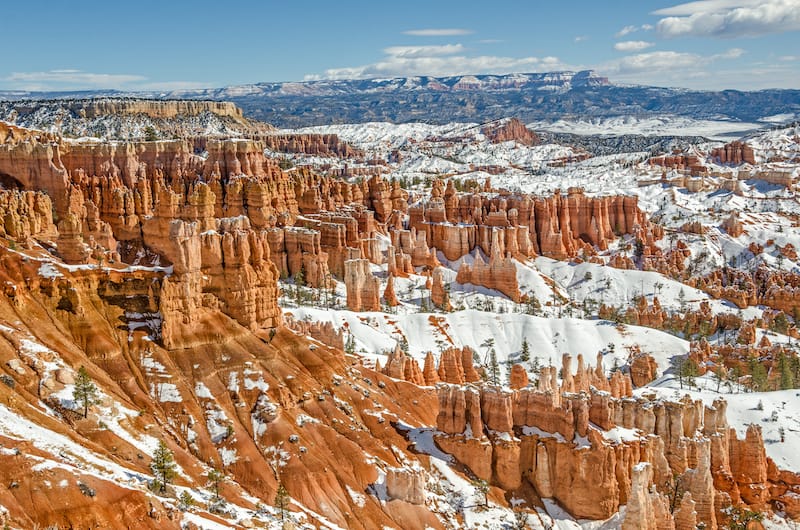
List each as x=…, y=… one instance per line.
x=702, y=6
x=671, y=68
x=71, y=79
x=627, y=30
x=632, y=45
x=733, y=53
x=440, y=32
x=444, y=60
x=395, y=66
x=581, y=38
x=729, y=18
x=409, y=52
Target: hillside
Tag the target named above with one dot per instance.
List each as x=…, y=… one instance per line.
x=532, y=97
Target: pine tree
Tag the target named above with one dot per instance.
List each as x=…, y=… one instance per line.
x=719, y=375
x=494, y=368
x=150, y=134
x=758, y=374
x=85, y=392
x=215, y=478
x=481, y=490
x=536, y=366
x=282, y=501
x=185, y=501
x=682, y=300
x=162, y=466
x=350, y=344
x=525, y=353
x=787, y=377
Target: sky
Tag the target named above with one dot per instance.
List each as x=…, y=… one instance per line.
x=167, y=45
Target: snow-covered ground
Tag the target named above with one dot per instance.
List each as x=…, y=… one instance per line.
x=665, y=125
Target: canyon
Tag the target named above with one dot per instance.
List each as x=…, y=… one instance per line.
x=336, y=336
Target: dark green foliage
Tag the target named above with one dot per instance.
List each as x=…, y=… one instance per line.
x=85, y=392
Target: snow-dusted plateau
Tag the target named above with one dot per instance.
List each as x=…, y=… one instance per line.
x=209, y=322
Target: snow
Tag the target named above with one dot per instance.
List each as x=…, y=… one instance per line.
x=664, y=125
x=201, y=391
x=359, y=499
x=48, y=270
x=302, y=419
x=165, y=392
x=250, y=384
x=228, y=456
x=548, y=338
x=70, y=454
x=217, y=423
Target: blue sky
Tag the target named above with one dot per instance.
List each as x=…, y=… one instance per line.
x=709, y=44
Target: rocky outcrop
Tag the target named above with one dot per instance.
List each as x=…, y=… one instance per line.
x=297, y=253
x=91, y=108
x=508, y=131
x=456, y=366
x=363, y=289
x=26, y=214
x=732, y=225
x=734, y=153
x=499, y=274
x=643, y=370
x=518, y=377
x=321, y=331
x=544, y=437
x=440, y=296
x=232, y=264
x=389, y=295
x=401, y=366
x=311, y=144
x=406, y=485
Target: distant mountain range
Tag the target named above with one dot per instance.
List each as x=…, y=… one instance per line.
x=473, y=98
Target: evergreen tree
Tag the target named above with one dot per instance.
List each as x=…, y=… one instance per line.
x=150, y=134
x=536, y=366
x=185, y=501
x=787, y=377
x=758, y=374
x=481, y=490
x=488, y=344
x=282, y=500
x=525, y=353
x=215, y=478
x=85, y=391
x=740, y=518
x=163, y=467
x=494, y=368
x=350, y=344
